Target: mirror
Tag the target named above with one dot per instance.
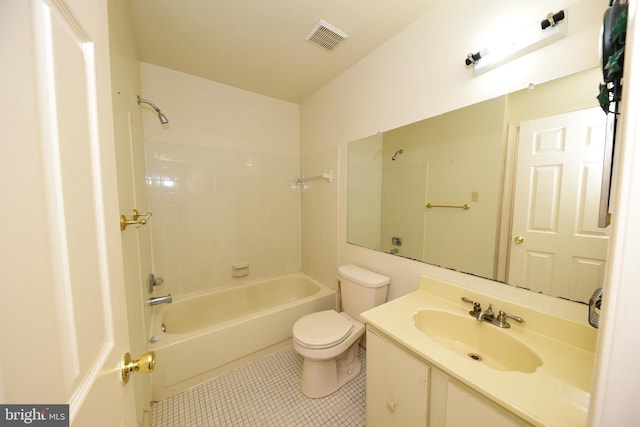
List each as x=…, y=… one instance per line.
x=506, y=189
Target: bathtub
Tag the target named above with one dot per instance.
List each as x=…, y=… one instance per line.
x=209, y=334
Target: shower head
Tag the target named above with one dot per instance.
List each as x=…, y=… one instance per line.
x=161, y=116
x=395, y=155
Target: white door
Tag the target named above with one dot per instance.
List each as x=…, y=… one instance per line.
x=63, y=316
x=556, y=246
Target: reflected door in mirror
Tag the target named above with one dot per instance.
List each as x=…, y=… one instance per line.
x=556, y=245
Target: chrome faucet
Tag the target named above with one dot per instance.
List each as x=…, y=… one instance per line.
x=160, y=300
x=486, y=314
x=489, y=316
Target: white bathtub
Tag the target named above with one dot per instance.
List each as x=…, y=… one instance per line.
x=209, y=334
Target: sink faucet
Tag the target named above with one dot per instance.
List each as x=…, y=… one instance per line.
x=486, y=314
x=489, y=316
x=160, y=300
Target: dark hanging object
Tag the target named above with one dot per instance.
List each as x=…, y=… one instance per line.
x=614, y=29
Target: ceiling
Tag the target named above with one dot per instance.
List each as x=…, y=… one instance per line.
x=259, y=45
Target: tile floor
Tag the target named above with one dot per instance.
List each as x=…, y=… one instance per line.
x=264, y=393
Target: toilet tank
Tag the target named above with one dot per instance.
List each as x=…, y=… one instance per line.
x=361, y=289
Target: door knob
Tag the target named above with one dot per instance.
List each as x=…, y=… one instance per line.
x=144, y=364
x=518, y=239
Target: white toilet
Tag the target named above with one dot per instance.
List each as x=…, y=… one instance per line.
x=329, y=340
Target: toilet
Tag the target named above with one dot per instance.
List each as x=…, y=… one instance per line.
x=328, y=341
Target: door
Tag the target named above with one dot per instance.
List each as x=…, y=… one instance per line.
x=556, y=246
x=63, y=315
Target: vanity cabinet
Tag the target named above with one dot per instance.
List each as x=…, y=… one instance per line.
x=455, y=405
x=397, y=385
x=403, y=390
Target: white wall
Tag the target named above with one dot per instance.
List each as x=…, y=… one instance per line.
x=220, y=178
x=417, y=74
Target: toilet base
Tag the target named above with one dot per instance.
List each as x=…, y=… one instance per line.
x=320, y=378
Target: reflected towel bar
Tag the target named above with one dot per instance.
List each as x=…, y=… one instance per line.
x=466, y=206
x=327, y=176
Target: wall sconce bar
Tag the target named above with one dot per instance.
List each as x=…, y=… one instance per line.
x=508, y=48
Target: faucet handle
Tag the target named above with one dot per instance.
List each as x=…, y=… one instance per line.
x=152, y=281
x=476, y=305
x=469, y=300
x=502, y=319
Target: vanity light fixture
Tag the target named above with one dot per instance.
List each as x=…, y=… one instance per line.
x=552, y=20
x=550, y=29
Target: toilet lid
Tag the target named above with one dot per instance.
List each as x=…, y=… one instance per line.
x=323, y=329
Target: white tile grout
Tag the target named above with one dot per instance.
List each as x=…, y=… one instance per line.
x=263, y=393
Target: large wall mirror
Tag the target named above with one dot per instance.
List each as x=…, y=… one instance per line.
x=507, y=189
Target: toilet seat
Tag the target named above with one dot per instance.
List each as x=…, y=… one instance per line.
x=321, y=330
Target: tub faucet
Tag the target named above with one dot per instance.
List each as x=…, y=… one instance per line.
x=160, y=300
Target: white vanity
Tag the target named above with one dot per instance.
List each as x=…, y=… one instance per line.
x=429, y=362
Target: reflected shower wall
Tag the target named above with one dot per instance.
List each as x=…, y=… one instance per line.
x=364, y=192
x=404, y=189
x=445, y=160
x=455, y=159
x=214, y=208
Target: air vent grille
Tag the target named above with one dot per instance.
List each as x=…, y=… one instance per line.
x=326, y=35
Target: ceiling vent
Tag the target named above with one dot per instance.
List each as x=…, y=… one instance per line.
x=326, y=35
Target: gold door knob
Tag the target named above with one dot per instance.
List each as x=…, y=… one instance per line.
x=518, y=239
x=144, y=364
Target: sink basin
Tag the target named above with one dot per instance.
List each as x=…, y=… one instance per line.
x=477, y=340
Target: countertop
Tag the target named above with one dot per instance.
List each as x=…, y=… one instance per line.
x=556, y=394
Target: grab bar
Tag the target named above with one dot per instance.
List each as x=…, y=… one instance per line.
x=466, y=206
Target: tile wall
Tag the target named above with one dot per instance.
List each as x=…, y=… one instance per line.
x=220, y=180
x=214, y=208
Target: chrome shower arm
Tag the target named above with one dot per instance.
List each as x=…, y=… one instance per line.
x=161, y=116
